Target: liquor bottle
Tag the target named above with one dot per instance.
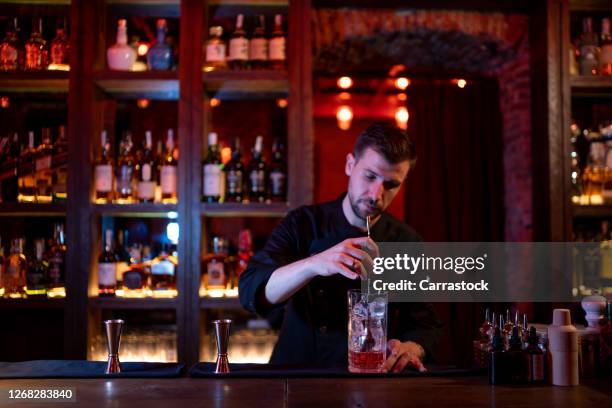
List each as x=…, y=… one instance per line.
x=482, y=343
x=518, y=369
x=107, y=265
x=38, y=269
x=123, y=257
x=163, y=274
x=589, y=49
x=216, y=50
x=120, y=56
x=42, y=167
x=215, y=269
x=15, y=273
x=257, y=173
x=535, y=358
x=11, y=50
x=259, y=45
x=278, y=41
x=27, y=181
x=57, y=263
x=135, y=281
x=9, y=182
x=36, y=50
x=211, y=172
x=159, y=57
x=234, y=175
x=104, y=172
x=60, y=166
x=606, y=48
x=245, y=251
x=146, y=169
x=124, y=177
x=238, y=46
x=60, y=49
x=278, y=172
x=168, y=171
x=497, y=359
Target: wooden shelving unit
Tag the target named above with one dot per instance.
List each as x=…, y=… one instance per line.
x=161, y=85
x=32, y=209
x=34, y=82
x=139, y=210
x=117, y=303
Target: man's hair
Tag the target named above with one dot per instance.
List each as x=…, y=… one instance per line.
x=390, y=141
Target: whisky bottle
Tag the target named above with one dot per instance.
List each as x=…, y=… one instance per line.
x=60, y=49
x=15, y=273
x=215, y=50
x=278, y=44
x=123, y=258
x=27, y=181
x=36, y=51
x=606, y=48
x=104, y=172
x=589, y=49
x=159, y=57
x=211, y=172
x=38, y=269
x=259, y=45
x=125, y=171
x=146, y=169
x=168, y=171
x=107, y=265
x=11, y=50
x=59, y=166
x=238, y=46
x=9, y=184
x=57, y=263
x=234, y=175
x=245, y=252
x=163, y=274
x=135, y=281
x=43, y=173
x=257, y=173
x=278, y=172
x=120, y=56
x=215, y=269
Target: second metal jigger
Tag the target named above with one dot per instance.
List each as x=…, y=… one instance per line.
x=222, y=330
x=113, y=338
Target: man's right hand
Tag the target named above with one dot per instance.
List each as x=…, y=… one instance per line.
x=351, y=258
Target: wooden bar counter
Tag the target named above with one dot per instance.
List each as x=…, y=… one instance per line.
x=315, y=392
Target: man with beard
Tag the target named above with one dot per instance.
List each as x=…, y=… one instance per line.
x=318, y=252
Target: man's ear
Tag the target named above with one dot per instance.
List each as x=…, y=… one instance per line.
x=350, y=163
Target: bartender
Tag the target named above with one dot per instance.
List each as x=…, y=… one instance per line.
x=319, y=252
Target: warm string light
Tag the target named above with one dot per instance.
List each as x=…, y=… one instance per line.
x=344, y=116
x=461, y=83
x=214, y=102
x=401, y=117
x=402, y=83
x=142, y=49
x=282, y=103
x=344, y=82
x=143, y=103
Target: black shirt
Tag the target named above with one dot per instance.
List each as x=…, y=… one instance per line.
x=314, y=329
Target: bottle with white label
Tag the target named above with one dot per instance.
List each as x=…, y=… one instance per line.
x=211, y=172
x=277, y=47
x=42, y=168
x=146, y=169
x=215, y=269
x=168, y=171
x=103, y=172
x=238, y=46
x=257, y=171
x=107, y=264
x=259, y=45
x=125, y=171
x=215, y=50
x=26, y=179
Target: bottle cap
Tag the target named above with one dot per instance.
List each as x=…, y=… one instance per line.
x=562, y=317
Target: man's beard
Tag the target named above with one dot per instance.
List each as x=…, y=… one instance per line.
x=357, y=211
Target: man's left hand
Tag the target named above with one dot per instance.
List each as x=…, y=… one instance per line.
x=404, y=354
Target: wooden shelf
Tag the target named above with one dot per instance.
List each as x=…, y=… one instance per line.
x=132, y=303
x=592, y=211
x=591, y=86
x=38, y=2
x=34, y=82
x=32, y=303
x=32, y=210
x=590, y=5
x=141, y=210
x=146, y=8
x=163, y=85
x=227, y=84
x=245, y=210
x=220, y=303
x=253, y=3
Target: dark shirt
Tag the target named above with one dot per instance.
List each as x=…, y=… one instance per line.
x=314, y=329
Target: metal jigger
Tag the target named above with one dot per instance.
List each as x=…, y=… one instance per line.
x=113, y=339
x=222, y=330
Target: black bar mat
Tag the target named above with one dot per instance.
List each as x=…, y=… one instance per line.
x=206, y=370
x=86, y=369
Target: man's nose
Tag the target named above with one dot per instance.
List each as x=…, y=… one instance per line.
x=376, y=192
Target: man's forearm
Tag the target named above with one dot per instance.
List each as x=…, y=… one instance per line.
x=287, y=280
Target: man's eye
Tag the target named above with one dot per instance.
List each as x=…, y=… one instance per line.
x=370, y=177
